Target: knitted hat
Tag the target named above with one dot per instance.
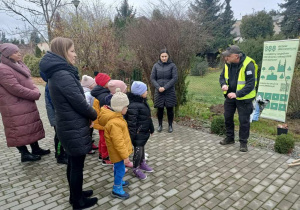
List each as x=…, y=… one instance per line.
x=119, y=101
x=7, y=49
x=101, y=79
x=138, y=88
x=114, y=84
x=87, y=81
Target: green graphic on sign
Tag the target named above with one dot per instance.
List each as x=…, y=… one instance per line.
x=276, y=76
x=282, y=107
x=283, y=97
x=268, y=96
x=275, y=97
x=274, y=106
x=272, y=76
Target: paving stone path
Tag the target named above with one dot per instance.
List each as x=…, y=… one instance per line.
x=192, y=171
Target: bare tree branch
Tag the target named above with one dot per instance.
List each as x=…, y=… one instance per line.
x=36, y=13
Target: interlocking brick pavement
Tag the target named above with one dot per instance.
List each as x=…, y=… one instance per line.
x=192, y=171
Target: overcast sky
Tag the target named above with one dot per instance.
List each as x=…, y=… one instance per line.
x=239, y=7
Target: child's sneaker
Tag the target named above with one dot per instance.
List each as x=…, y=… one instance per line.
x=129, y=165
x=118, y=192
x=145, y=167
x=139, y=174
x=106, y=162
x=94, y=147
x=91, y=152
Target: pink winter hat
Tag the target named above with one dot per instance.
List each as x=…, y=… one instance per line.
x=87, y=81
x=114, y=84
x=7, y=49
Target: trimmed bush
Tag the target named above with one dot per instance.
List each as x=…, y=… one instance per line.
x=199, y=67
x=284, y=143
x=32, y=63
x=218, y=125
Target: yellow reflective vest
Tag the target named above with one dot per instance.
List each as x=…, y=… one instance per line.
x=242, y=78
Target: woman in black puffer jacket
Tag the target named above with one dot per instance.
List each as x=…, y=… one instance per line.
x=163, y=77
x=72, y=113
x=140, y=126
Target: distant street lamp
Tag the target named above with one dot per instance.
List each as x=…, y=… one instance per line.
x=76, y=3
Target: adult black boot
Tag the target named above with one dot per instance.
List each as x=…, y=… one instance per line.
x=227, y=141
x=26, y=156
x=85, y=203
x=243, y=147
x=86, y=194
x=36, y=150
x=170, y=130
x=62, y=159
x=159, y=129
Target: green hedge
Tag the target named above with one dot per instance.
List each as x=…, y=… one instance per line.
x=33, y=64
x=284, y=143
x=218, y=125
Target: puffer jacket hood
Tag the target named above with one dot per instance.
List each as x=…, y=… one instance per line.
x=100, y=93
x=52, y=63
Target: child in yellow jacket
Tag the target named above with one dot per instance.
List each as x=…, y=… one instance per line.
x=117, y=140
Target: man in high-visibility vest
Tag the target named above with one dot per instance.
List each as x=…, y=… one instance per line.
x=238, y=81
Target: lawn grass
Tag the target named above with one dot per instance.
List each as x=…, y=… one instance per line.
x=205, y=89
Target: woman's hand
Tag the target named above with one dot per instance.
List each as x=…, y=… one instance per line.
x=161, y=89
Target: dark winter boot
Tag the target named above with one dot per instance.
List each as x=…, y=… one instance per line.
x=84, y=203
x=170, y=130
x=243, y=147
x=227, y=141
x=36, y=150
x=118, y=192
x=62, y=159
x=159, y=129
x=26, y=156
x=86, y=194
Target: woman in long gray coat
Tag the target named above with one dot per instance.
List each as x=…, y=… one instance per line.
x=20, y=115
x=163, y=77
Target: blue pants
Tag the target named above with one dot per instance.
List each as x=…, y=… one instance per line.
x=119, y=172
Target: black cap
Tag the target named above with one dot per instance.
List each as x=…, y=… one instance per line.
x=233, y=49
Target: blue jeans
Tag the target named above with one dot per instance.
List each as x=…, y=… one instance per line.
x=119, y=172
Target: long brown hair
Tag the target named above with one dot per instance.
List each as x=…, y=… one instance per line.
x=60, y=46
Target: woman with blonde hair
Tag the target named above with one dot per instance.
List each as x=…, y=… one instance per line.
x=73, y=115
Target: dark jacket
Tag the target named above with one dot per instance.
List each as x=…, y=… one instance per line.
x=100, y=93
x=72, y=112
x=164, y=75
x=233, y=74
x=139, y=120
